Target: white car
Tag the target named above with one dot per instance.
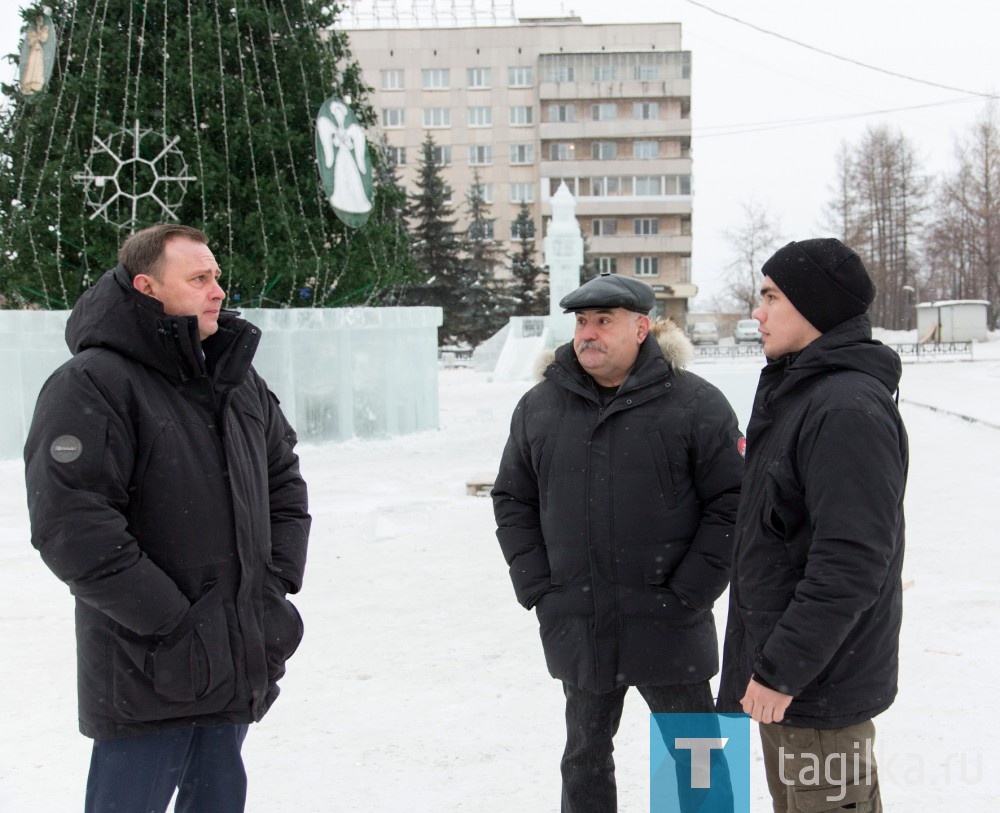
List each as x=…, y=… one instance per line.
x=746, y=330
x=704, y=333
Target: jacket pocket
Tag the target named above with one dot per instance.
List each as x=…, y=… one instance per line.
x=283, y=628
x=784, y=510
x=188, y=673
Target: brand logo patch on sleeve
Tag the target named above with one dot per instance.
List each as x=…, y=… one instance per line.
x=66, y=448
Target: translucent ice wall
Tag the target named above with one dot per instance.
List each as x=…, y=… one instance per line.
x=338, y=372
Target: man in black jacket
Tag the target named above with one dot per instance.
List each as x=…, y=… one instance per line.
x=811, y=647
x=163, y=489
x=614, y=503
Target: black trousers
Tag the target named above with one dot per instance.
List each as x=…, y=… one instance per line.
x=140, y=774
x=592, y=720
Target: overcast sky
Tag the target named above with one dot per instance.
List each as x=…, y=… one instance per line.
x=769, y=115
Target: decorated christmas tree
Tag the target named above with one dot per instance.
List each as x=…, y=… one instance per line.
x=193, y=112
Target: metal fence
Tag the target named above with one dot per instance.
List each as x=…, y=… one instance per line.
x=907, y=352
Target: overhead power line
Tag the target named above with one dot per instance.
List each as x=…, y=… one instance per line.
x=839, y=56
x=753, y=127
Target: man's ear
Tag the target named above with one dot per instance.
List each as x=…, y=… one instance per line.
x=143, y=283
x=643, y=324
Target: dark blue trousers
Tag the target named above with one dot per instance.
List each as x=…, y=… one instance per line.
x=140, y=774
x=592, y=720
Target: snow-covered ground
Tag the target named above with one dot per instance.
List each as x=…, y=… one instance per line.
x=421, y=686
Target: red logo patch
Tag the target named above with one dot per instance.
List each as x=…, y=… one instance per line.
x=741, y=447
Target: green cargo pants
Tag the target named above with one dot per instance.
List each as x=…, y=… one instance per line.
x=812, y=770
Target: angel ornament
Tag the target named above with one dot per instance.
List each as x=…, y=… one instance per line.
x=344, y=162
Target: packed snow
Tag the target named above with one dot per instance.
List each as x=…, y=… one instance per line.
x=421, y=684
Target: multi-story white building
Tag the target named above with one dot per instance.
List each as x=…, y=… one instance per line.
x=604, y=109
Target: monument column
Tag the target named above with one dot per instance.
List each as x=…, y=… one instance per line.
x=563, y=256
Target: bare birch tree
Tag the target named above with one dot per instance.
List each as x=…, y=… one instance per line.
x=752, y=242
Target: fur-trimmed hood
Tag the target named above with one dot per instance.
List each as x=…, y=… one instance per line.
x=675, y=346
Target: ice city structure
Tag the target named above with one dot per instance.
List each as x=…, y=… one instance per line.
x=338, y=372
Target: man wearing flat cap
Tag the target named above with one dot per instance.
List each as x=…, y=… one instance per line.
x=812, y=641
x=615, y=502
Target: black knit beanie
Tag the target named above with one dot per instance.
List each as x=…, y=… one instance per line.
x=824, y=279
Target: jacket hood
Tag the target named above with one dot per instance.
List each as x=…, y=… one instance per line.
x=114, y=315
x=848, y=346
x=676, y=348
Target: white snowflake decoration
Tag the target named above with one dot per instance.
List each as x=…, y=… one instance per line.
x=115, y=184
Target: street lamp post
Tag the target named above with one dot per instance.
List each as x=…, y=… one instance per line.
x=915, y=290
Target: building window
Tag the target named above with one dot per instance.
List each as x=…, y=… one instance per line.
x=606, y=265
x=481, y=229
x=604, y=226
x=522, y=153
x=485, y=192
x=392, y=79
x=478, y=77
x=435, y=78
x=561, y=112
x=646, y=73
x=437, y=117
x=646, y=225
x=605, y=73
x=646, y=266
x=606, y=187
x=397, y=156
x=392, y=116
x=480, y=116
x=520, y=77
x=677, y=185
x=562, y=73
x=604, y=150
x=522, y=230
x=555, y=183
x=480, y=155
x=522, y=193
x=441, y=156
x=521, y=115
x=561, y=151
x=645, y=110
x=604, y=112
x=646, y=150
x=648, y=185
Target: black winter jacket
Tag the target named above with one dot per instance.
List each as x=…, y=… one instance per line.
x=816, y=598
x=616, y=521
x=164, y=491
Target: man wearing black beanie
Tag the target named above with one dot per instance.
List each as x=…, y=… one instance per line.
x=812, y=643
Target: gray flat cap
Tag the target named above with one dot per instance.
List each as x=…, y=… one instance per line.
x=610, y=291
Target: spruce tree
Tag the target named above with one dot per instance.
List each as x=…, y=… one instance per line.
x=437, y=244
x=143, y=95
x=483, y=302
x=530, y=288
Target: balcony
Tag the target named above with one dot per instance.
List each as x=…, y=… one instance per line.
x=614, y=128
x=615, y=166
x=640, y=244
x=621, y=89
x=624, y=206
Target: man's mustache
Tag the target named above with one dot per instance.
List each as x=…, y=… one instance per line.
x=588, y=344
